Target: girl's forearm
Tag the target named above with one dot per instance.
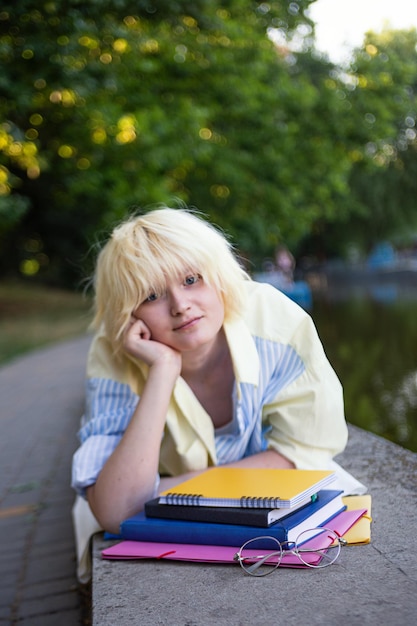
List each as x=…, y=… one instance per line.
x=128, y=477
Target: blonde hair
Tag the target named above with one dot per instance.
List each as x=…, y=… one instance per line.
x=146, y=250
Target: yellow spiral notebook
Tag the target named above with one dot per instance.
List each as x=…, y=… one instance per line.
x=248, y=487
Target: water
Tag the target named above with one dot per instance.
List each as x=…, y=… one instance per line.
x=370, y=338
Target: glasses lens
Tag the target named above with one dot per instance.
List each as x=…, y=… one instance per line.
x=260, y=556
x=318, y=547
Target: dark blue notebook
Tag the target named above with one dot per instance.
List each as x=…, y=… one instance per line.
x=141, y=528
x=222, y=514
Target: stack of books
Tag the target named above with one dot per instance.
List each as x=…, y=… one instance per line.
x=228, y=506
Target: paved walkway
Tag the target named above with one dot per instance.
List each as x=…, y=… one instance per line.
x=41, y=401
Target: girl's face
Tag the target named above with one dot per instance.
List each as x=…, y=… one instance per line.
x=187, y=316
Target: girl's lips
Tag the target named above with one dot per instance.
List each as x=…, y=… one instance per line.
x=188, y=323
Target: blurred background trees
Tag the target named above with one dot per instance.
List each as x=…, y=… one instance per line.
x=380, y=136
x=111, y=105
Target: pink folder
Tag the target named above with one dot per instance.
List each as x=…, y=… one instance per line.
x=128, y=550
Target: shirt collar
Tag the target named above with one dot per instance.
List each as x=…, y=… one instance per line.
x=243, y=351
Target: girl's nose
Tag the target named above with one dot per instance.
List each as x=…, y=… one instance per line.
x=178, y=301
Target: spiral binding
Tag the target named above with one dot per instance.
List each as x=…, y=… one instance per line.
x=251, y=502
x=194, y=499
x=188, y=499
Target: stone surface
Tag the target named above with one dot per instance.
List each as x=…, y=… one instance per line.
x=374, y=584
x=41, y=400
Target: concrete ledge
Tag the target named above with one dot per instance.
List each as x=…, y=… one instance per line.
x=375, y=584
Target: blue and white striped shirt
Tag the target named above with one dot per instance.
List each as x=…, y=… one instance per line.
x=286, y=397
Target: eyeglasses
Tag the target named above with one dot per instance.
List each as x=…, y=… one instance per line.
x=316, y=548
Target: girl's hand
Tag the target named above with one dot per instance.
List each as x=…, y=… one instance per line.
x=139, y=343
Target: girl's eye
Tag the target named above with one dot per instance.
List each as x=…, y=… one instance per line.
x=192, y=279
x=152, y=297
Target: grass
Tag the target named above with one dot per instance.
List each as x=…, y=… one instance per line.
x=32, y=316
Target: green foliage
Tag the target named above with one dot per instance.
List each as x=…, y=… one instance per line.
x=381, y=143
x=12, y=209
x=125, y=104
x=111, y=105
x=386, y=103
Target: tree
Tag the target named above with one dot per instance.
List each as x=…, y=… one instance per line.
x=380, y=136
x=117, y=104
